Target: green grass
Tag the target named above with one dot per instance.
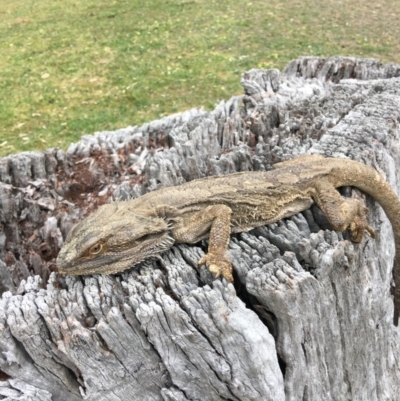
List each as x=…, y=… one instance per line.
x=72, y=67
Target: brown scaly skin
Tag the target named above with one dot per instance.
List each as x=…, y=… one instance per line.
x=122, y=234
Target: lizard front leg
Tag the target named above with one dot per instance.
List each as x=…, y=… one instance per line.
x=343, y=213
x=215, y=221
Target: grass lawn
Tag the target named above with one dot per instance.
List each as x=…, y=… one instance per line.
x=73, y=67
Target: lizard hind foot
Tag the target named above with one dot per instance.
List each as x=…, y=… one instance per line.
x=359, y=226
x=218, y=265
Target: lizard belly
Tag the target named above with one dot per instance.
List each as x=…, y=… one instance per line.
x=250, y=218
x=296, y=207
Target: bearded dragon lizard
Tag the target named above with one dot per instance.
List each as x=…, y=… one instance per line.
x=120, y=235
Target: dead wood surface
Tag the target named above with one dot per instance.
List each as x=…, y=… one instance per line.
x=310, y=315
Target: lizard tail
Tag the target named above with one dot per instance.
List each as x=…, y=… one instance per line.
x=368, y=180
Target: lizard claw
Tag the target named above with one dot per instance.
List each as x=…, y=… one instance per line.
x=218, y=265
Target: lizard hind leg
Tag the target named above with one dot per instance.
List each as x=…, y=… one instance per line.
x=343, y=214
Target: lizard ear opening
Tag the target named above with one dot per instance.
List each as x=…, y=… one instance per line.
x=144, y=238
x=148, y=237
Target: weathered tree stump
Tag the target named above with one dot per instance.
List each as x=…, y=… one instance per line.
x=310, y=314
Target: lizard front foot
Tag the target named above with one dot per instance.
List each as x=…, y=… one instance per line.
x=218, y=264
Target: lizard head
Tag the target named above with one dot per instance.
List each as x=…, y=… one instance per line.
x=113, y=239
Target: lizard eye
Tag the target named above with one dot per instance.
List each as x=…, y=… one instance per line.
x=96, y=249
